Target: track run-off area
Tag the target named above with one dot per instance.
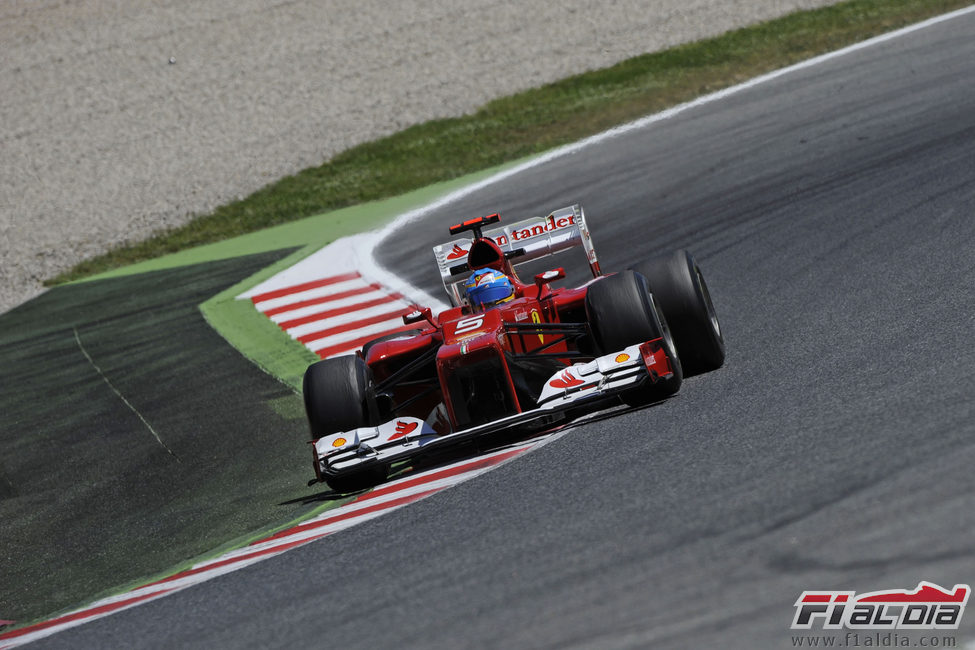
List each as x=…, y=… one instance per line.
x=832, y=209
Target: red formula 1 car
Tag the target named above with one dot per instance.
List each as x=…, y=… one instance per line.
x=509, y=356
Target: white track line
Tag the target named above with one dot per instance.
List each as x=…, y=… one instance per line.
x=330, y=306
x=364, y=245
x=379, y=329
x=389, y=497
x=319, y=525
x=321, y=292
x=344, y=319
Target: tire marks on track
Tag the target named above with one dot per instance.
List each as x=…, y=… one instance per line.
x=372, y=504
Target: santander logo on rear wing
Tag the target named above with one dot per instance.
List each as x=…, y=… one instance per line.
x=532, y=238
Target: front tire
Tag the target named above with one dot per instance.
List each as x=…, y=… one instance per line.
x=621, y=312
x=679, y=289
x=339, y=397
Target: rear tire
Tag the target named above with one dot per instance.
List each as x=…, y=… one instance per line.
x=339, y=397
x=680, y=291
x=621, y=312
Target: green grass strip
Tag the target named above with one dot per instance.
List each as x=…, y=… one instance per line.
x=245, y=328
x=531, y=122
x=308, y=233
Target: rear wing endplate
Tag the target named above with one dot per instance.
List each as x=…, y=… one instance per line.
x=521, y=242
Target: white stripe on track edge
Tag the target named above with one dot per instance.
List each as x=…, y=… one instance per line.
x=307, y=294
x=341, y=319
x=314, y=525
x=171, y=585
x=335, y=339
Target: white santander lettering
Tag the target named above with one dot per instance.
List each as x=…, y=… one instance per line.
x=549, y=224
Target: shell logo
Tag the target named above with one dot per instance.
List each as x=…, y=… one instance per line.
x=622, y=357
x=537, y=318
x=338, y=442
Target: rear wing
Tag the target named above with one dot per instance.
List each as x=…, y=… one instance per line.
x=521, y=242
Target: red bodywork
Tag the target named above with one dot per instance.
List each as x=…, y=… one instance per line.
x=470, y=366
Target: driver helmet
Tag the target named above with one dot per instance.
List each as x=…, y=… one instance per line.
x=487, y=287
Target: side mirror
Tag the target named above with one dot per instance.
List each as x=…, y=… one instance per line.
x=420, y=314
x=548, y=276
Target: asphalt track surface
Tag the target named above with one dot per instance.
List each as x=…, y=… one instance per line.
x=832, y=211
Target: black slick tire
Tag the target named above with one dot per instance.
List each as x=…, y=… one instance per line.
x=339, y=397
x=621, y=312
x=679, y=289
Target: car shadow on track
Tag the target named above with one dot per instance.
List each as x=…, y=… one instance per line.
x=318, y=497
x=472, y=452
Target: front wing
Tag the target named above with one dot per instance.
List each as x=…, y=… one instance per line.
x=572, y=389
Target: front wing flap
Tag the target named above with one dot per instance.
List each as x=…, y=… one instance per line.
x=408, y=438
